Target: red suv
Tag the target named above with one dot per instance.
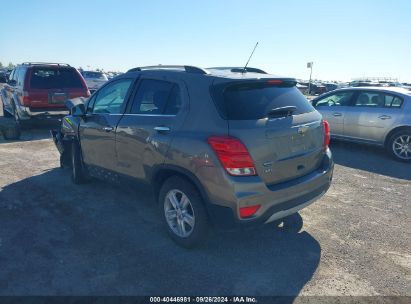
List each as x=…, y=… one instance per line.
x=40, y=90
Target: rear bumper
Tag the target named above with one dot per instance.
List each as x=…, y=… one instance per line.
x=26, y=113
x=277, y=201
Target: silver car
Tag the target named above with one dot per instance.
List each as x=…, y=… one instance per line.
x=94, y=80
x=374, y=115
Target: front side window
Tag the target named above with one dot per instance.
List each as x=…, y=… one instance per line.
x=110, y=99
x=338, y=99
x=157, y=97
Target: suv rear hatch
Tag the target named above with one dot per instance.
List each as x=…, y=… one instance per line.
x=282, y=132
x=51, y=86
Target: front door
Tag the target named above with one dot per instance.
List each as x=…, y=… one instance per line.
x=333, y=108
x=97, y=129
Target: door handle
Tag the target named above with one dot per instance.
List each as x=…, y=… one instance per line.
x=108, y=129
x=337, y=114
x=384, y=117
x=162, y=129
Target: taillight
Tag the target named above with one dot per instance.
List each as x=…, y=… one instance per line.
x=249, y=211
x=275, y=81
x=326, y=134
x=26, y=98
x=233, y=155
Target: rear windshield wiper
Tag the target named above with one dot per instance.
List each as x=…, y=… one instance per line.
x=281, y=112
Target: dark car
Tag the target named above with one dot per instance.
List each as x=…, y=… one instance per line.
x=40, y=90
x=217, y=146
x=330, y=86
x=317, y=89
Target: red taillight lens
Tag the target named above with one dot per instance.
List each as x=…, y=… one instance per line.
x=326, y=134
x=26, y=98
x=275, y=81
x=249, y=211
x=233, y=155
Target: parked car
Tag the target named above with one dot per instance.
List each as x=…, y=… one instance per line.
x=3, y=76
x=330, y=86
x=373, y=115
x=94, y=80
x=218, y=146
x=317, y=89
x=364, y=84
x=40, y=90
x=302, y=88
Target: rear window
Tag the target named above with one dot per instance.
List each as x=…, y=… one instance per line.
x=54, y=78
x=251, y=101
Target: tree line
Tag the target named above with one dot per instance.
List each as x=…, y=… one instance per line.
x=9, y=66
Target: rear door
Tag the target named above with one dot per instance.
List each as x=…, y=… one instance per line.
x=97, y=129
x=144, y=134
x=333, y=108
x=282, y=147
x=371, y=115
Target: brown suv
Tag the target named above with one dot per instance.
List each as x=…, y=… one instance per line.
x=40, y=90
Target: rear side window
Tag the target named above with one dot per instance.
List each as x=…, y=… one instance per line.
x=54, y=78
x=157, y=97
x=251, y=101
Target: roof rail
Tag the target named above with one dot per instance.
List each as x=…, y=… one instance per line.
x=240, y=70
x=187, y=68
x=45, y=63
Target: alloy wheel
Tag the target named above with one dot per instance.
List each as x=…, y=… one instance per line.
x=179, y=213
x=401, y=147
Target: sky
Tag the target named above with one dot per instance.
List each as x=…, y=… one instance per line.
x=345, y=39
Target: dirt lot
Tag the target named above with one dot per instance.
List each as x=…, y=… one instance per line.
x=60, y=239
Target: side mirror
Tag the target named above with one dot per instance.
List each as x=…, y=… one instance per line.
x=79, y=110
x=12, y=82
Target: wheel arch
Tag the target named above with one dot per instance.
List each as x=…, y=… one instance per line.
x=396, y=129
x=163, y=172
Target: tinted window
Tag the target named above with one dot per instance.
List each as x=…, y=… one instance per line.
x=377, y=100
x=54, y=78
x=338, y=99
x=157, y=97
x=249, y=101
x=110, y=98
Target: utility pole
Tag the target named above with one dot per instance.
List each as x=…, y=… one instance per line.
x=310, y=66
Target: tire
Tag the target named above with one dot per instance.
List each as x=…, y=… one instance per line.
x=189, y=217
x=293, y=223
x=78, y=173
x=398, y=141
x=12, y=132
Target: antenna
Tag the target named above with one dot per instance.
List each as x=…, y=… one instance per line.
x=245, y=67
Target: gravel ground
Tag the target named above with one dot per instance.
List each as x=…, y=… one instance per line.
x=98, y=239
